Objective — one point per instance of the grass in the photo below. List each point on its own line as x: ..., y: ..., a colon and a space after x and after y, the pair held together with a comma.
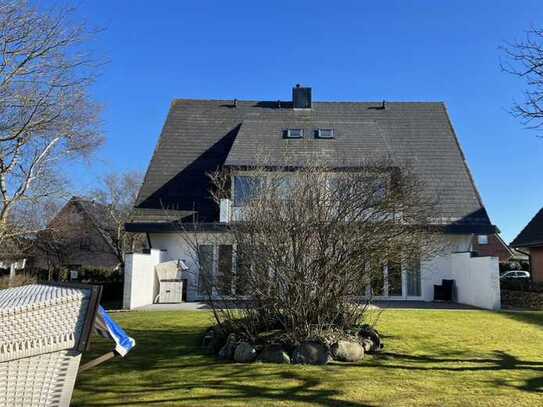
x: 432, y: 358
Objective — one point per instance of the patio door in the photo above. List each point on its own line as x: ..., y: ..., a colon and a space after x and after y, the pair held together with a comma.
x: 412, y: 277
x: 396, y: 280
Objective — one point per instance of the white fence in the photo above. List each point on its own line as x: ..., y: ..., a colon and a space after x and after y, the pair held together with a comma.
x: 140, y: 281
x: 477, y: 280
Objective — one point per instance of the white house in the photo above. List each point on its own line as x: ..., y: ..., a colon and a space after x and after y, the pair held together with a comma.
x: 200, y: 136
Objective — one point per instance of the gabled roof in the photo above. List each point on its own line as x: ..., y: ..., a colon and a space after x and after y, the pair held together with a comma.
x: 97, y: 214
x: 532, y: 234
x: 200, y: 136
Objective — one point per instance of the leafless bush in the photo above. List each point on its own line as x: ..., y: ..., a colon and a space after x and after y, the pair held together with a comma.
x: 524, y: 59
x: 308, y: 242
x: 17, y: 281
x: 47, y: 115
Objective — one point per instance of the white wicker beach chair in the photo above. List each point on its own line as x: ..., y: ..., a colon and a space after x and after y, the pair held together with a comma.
x: 43, y: 331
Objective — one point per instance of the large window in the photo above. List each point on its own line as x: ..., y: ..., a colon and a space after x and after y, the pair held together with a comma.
x: 377, y: 283
x: 246, y: 187
x: 394, y: 277
x: 205, y: 275
x: 224, y: 272
x: 217, y: 274
x: 242, y: 275
x: 413, y: 277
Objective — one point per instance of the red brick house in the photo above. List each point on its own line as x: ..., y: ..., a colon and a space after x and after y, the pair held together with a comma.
x: 493, y: 245
x: 530, y: 239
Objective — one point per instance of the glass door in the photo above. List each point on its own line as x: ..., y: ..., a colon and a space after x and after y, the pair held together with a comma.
x: 394, y: 279
x: 412, y: 276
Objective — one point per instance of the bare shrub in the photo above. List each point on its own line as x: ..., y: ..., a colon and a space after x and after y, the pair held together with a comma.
x: 17, y: 281
x: 309, y: 241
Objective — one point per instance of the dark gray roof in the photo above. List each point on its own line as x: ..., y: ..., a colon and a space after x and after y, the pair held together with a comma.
x: 201, y: 135
x: 532, y: 234
x: 158, y: 215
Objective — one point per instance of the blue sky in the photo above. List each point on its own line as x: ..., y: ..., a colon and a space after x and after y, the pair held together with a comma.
x: 359, y: 50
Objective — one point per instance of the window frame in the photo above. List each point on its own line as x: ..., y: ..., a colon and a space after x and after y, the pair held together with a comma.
x: 288, y: 135
x: 263, y: 183
x: 318, y: 133
x: 482, y: 240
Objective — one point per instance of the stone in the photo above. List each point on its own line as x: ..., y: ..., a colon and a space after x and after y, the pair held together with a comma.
x: 346, y: 351
x: 213, y: 340
x: 367, y: 344
x: 311, y: 353
x: 244, y: 353
x: 274, y: 354
x: 227, y: 351
x: 367, y: 332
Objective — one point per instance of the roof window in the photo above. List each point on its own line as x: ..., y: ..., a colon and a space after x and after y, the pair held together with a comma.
x: 325, y: 133
x: 293, y: 133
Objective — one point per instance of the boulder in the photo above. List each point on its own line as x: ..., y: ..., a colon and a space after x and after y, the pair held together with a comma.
x: 274, y: 354
x: 367, y: 344
x: 371, y: 334
x: 227, y: 351
x: 311, y: 353
x: 346, y: 351
x: 213, y: 340
x: 244, y: 353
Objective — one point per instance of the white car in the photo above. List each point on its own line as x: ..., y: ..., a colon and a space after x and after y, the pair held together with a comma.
x: 515, y: 274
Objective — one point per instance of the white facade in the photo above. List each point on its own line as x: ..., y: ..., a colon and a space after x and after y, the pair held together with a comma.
x: 476, y: 278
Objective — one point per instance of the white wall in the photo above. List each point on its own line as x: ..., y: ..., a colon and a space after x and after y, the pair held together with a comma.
x: 140, y: 282
x: 440, y: 267
x: 181, y: 246
x: 477, y: 280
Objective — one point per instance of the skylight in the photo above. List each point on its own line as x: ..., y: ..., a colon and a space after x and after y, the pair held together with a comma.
x: 293, y: 133
x: 325, y: 133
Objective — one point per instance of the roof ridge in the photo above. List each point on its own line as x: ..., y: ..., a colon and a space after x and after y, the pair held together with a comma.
x: 202, y: 100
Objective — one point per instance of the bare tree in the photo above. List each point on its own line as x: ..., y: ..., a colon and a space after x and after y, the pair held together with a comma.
x: 46, y: 114
x: 309, y: 242
x: 525, y: 60
x: 118, y: 193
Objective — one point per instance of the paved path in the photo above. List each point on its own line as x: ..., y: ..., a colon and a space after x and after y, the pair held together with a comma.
x: 202, y: 306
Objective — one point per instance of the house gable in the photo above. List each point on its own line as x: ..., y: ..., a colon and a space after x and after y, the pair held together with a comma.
x: 532, y: 234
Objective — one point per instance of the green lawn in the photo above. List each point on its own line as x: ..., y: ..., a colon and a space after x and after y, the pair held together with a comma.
x: 432, y: 358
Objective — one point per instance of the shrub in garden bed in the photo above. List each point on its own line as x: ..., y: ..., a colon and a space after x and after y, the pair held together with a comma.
x: 309, y: 243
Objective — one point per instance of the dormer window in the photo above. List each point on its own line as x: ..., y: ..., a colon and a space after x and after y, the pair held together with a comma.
x: 325, y: 133
x: 293, y: 133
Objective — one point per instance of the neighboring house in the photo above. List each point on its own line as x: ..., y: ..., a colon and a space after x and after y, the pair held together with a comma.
x: 530, y: 240
x: 78, y: 237
x: 493, y: 245
x: 200, y: 136
x: 14, y: 255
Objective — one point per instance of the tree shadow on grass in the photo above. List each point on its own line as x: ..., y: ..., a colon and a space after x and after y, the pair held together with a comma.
x: 167, y: 367
x: 501, y: 361
x: 530, y: 317
x: 161, y: 355
x: 237, y: 386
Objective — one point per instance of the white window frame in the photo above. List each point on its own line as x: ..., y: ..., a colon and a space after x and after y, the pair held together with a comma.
x: 286, y: 133
x: 318, y: 134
